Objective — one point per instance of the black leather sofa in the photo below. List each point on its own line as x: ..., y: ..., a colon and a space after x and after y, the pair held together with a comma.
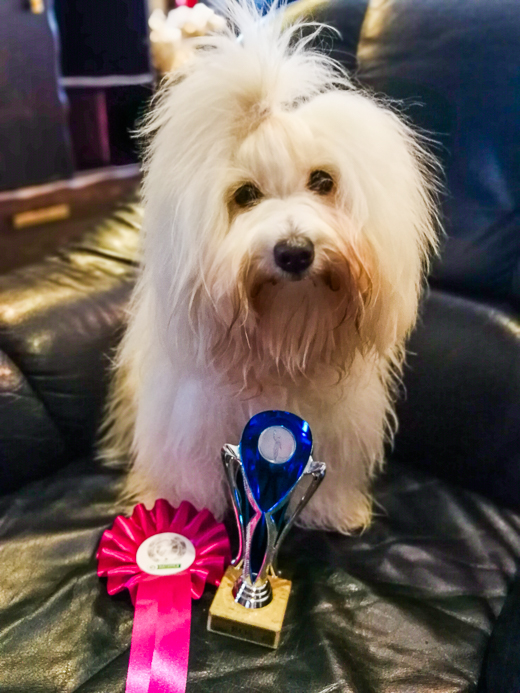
x: 408, y: 606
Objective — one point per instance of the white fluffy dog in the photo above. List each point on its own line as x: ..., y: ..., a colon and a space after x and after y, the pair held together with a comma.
x: 288, y: 223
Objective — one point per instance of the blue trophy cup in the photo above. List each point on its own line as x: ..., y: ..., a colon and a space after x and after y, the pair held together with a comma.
x: 272, y: 476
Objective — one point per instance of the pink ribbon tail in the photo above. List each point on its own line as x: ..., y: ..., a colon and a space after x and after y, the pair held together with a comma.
x: 161, y: 636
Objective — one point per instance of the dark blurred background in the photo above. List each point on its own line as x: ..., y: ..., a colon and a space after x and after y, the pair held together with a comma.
x: 75, y: 76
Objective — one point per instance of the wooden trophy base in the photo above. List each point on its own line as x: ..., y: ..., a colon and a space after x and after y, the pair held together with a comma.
x: 261, y: 626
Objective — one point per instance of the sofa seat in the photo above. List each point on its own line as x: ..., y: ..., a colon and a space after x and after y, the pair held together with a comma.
x: 409, y: 605
x: 406, y: 606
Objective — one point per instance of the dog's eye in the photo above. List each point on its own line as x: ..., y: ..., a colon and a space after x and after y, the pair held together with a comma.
x: 247, y: 195
x: 321, y: 182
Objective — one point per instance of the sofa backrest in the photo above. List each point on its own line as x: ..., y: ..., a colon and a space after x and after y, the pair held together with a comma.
x: 455, y: 68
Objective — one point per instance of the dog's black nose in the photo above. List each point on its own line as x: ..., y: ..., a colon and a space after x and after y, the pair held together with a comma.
x: 294, y: 255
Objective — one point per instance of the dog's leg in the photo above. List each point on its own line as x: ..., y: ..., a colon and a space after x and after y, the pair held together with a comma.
x: 180, y: 425
x: 349, y: 437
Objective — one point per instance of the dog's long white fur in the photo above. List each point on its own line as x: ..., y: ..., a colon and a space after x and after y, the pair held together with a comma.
x: 216, y: 331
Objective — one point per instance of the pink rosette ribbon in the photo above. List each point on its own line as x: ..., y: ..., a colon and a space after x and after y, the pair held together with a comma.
x: 161, y: 632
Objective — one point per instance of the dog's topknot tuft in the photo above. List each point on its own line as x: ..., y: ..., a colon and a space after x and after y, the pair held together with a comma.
x: 255, y: 67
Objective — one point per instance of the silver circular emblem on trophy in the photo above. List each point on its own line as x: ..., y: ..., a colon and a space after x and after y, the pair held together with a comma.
x: 276, y: 444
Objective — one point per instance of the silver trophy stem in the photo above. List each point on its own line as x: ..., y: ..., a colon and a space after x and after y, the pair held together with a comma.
x: 231, y: 462
x: 250, y: 530
x: 252, y: 596
x: 317, y: 471
x: 256, y: 593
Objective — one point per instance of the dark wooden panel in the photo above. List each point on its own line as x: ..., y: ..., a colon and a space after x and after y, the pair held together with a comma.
x: 103, y: 37
x: 84, y: 193
x: 34, y: 142
x: 103, y: 122
x: 91, y: 198
x: 126, y: 106
x: 88, y: 124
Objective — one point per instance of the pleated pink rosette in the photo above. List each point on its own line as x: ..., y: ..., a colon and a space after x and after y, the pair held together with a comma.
x: 161, y: 632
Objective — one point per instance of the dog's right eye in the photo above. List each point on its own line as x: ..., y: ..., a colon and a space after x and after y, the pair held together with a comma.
x: 321, y: 182
x: 247, y: 195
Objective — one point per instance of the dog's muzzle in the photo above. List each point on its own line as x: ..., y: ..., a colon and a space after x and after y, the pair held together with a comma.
x: 294, y: 255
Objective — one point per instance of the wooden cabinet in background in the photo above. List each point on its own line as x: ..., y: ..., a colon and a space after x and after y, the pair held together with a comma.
x: 35, y: 142
x: 74, y: 78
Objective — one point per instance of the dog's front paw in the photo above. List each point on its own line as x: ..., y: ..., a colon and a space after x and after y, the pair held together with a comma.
x: 140, y: 489
x: 349, y: 514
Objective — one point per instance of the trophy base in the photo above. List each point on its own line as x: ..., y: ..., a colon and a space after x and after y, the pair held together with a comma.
x: 261, y: 626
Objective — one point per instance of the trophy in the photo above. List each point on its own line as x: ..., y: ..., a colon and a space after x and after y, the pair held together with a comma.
x: 272, y: 476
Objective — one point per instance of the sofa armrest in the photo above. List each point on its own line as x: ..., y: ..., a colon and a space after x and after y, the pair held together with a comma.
x: 459, y: 417
x: 59, y: 323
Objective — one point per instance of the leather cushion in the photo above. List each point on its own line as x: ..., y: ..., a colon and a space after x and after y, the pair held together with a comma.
x: 28, y: 436
x: 501, y: 669
x: 60, y: 321
x: 407, y: 606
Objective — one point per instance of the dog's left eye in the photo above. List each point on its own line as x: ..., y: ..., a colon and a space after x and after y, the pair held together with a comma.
x: 320, y: 182
x: 247, y: 195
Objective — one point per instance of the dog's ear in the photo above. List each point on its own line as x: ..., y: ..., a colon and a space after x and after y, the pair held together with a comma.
x: 388, y: 189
